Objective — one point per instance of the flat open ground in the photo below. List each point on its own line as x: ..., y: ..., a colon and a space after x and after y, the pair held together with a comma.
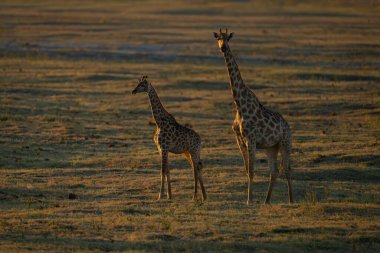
x: 69, y: 125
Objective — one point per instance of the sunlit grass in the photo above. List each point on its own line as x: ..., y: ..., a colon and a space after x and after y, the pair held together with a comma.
x: 80, y: 170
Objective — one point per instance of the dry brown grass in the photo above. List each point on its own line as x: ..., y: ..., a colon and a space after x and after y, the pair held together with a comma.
x: 68, y: 125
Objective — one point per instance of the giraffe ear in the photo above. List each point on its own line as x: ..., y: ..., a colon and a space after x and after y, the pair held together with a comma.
x: 216, y: 35
x: 230, y: 36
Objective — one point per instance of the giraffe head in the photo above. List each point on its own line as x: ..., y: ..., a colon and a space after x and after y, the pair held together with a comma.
x: 142, y: 86
x: 223, y: 39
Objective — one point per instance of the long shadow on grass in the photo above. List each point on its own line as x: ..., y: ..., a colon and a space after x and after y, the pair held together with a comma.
x: 197, y: 85
x: 172, y: 243
x: 224, y: 161
x: 370, y: 160
x: 346, y: 174
x: 334, y: 77
x: 205, y: 85
x: 50, y: 92
x: 178, y: 99
x: 221, y: 162
x: 330, y: 108
x: 85, y: 172
x: 366, y: 211
x: 33, y: 198
x: 55, y: 156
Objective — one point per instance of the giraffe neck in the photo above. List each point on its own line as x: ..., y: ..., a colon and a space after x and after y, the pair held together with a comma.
x: 240, y: 91
x: 159, y: 113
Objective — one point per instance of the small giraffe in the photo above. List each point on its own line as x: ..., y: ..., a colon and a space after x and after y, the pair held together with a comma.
x: 175, y: 138
x: 255, y: 126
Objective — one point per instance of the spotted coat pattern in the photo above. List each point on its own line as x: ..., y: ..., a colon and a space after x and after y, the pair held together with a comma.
x: 172, y: 137
x: 255, y: 126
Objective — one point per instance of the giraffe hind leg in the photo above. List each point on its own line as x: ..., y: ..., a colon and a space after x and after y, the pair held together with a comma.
x: 195, y: 165
x: 272, y: 160
x: 200, y: 169
x: 251, y: 148
x: 290, y: 192
x: 285, y: 166
x: 199, y: 173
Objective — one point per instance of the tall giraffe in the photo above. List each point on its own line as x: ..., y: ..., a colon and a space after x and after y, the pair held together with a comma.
x: 255, y: 126
x: 173, y: 137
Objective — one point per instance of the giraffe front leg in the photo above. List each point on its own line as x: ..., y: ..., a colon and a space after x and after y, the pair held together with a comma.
x: 164, y: 165
x: 243, y: 150
x: 241, y: 144
x: 169, y: 195
x: 251, y: 165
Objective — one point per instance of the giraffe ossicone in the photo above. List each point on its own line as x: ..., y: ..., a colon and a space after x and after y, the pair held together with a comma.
x: 174, y: 138
x: 255, y: 126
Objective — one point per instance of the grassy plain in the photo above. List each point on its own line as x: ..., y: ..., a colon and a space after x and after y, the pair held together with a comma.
x: 78, y: 167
